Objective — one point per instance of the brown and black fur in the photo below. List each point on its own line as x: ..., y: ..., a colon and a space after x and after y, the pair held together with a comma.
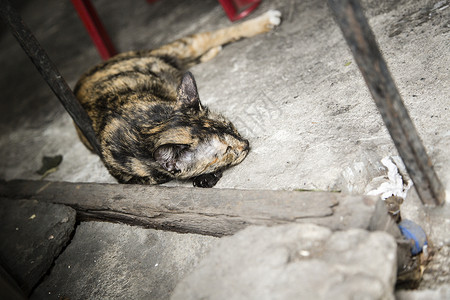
x: 147, y: 114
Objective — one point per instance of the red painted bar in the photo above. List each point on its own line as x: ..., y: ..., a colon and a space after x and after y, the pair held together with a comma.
x: 95, y: 28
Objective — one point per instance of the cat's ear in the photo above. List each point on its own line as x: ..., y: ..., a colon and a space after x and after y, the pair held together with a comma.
x: 168, y: 155
x: 187, y: 93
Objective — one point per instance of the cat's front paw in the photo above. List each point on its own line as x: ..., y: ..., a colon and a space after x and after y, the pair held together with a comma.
x: 274, y: 17
x: 207, y: 180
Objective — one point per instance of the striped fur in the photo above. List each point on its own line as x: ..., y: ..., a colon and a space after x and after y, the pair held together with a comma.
x: 147, y: 114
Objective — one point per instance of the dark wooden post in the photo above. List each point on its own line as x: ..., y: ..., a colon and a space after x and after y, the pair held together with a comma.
x: 361, y: 40
x: 48, y: 71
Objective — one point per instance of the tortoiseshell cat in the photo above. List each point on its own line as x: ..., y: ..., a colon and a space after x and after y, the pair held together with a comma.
x: 147, y: 115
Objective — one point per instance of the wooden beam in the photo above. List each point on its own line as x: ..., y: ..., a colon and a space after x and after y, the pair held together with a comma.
x: 350, y: 17
x: 214, y: 212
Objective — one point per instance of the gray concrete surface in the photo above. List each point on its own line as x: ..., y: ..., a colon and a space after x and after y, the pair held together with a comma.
x: 296, y: 261
x: 308, y: 115
x: 112, y: 261
x: 32, y: 235
x: 295, y: 93
x: 438, y: 294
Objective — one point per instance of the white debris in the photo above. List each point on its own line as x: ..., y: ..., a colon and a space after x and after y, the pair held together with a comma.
x: 305, y: 253
x: 397, y: 182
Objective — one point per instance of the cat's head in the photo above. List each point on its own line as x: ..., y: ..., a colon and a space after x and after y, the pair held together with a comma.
x: 197, y: 140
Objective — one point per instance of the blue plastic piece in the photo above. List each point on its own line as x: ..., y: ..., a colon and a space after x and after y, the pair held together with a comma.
x: 414, y: 232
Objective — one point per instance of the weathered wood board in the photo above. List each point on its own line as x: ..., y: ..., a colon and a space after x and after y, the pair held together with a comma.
x: 214, y: 212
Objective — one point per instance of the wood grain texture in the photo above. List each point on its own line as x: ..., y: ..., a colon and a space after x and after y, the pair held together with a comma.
x: 214, y: 212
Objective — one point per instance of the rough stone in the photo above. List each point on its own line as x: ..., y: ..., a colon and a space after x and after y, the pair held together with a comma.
x: 32, y: 235
x: 437, y: 272
x: 295, y: 262
x: 113, y: 261
x: 440, y: 293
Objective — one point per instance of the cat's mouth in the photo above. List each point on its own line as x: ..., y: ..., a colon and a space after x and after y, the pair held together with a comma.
x: 241, y: 153
x: 229, y: 160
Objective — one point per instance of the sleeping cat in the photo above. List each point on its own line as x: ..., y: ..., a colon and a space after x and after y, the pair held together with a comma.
x: 147, y: 115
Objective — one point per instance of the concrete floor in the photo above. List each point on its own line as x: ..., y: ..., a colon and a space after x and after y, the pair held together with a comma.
x: 295, y: 93
x: 309, y: 117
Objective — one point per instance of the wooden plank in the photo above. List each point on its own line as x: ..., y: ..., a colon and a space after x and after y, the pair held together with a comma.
x: 214, y: 212
x: 349, y: 16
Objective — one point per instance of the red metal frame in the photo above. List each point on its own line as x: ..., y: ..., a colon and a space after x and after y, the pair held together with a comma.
x: 238, y: 9
x: 235, y: 10
x: 95, y: 28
